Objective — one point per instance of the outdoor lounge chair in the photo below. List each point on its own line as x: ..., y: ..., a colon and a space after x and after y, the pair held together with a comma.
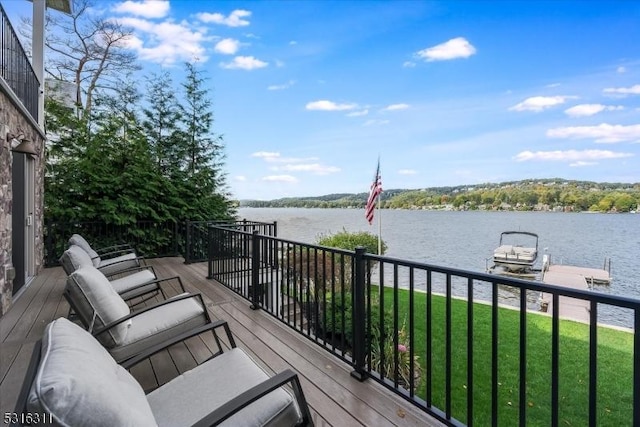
x: 130, y: 283
x: 124, y: 333
x: 73, y: 381
x: 111, y: 259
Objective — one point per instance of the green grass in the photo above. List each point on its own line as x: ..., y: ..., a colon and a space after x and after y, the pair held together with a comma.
x: 615, y: 364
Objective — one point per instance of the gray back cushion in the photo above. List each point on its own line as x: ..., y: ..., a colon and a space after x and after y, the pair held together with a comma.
x: 74, y: 258
x: 78, y: 240
x: 80, y: 384
x: 96, y: 301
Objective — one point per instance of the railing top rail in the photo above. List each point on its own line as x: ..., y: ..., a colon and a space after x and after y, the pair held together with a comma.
x: 291, y: 242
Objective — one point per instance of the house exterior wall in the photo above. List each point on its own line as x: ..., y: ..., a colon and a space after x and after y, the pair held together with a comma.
x: 13, y: 119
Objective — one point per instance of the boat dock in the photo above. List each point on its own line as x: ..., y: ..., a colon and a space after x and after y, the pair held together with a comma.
x: 572, y: 277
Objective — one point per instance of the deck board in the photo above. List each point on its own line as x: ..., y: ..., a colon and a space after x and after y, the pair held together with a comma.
x: 334, y: 397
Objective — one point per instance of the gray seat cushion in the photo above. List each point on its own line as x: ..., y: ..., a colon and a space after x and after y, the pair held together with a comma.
x: 192, y: 395
x: 98, y: 303
x: 133, y: 284
x: 78, y: 240
x: 107, y: 266
x: 159, y: 324
x: 119, y: 263
x: 74, y: 258
x: 80, y: 384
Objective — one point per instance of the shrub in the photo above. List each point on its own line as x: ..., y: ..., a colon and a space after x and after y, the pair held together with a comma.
x: 348, y: 240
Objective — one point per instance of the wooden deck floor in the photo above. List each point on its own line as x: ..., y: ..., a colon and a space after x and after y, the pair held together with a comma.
x: 334, y: 397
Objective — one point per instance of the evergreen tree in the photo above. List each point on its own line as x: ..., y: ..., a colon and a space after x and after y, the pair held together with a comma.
x: 161, y: 123
x: 204, y: 188
x: 121, y: 185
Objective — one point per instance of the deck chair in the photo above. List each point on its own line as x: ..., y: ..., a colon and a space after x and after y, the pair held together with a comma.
x: 110, y: 259
x: 124, y: 333
x: 129, y: 283
x: 73, y: 381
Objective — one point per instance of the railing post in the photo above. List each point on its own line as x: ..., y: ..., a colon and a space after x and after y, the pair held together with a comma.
x: 187, y: 249
x: 255, y: 270
x: 359, y: 317
x: 210, y: 233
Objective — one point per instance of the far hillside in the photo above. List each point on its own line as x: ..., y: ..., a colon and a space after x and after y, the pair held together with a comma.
x: 552, y: 194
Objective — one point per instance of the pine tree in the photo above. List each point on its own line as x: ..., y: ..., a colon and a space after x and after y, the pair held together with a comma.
x: 204, y: 187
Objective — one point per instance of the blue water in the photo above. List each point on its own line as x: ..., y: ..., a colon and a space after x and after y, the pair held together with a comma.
x: 467, y: 239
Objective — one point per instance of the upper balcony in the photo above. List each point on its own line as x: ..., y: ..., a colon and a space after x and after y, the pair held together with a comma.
x: 18, y: 75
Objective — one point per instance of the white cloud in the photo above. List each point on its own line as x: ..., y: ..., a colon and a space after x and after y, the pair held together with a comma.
x: 622, y: 91
x: 373, y: 122
x: 452, y: 49
x: 569, y: 155
x: 165, y: 42
x: 145, y: 8
x: 310, y: 167
x: 280, y: 178
x: 604, y: 132
x: 244, y: 63
x: 358, y: 113
x: 396, y: 107
x: 275, y: 157
x: 582, y: 163
x: 324, y: 105
x: 407, y: 172
x: 408, y: 64
x: 590, y: 109
x: 267, y: 155
x: 539, y: 103
x: 282, y: 86
x: 233, y: 20
x: 227, y: 46
x: 240, y: 178
x: 621, y: 70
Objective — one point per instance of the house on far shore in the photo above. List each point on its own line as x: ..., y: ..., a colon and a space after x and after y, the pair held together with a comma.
x: 22, y: 160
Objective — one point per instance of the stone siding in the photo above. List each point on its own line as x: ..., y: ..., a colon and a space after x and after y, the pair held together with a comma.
x: 11, y: 118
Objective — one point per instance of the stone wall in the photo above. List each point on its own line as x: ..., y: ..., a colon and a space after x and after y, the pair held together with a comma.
x: 11, y: 118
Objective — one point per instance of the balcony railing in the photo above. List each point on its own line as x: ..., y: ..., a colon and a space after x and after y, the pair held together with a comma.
x: 151, y: 239
x: 466, y: 360
x: 16, y: 69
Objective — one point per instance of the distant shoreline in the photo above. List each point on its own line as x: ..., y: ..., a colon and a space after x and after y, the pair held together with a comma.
x: 542, y: 195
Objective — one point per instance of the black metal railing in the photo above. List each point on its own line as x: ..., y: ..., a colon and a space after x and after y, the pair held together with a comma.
x: 441, y: 337
x: 16, y: 69
x: 197, y: 241
x: 151, y: 239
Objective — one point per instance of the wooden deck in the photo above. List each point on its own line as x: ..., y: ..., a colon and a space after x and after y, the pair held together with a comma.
x: 334, y: 396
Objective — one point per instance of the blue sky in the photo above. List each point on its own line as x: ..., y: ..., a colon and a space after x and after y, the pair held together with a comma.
x: 309, y: 94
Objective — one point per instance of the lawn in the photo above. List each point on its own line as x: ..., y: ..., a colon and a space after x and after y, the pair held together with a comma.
x: 614, y: 369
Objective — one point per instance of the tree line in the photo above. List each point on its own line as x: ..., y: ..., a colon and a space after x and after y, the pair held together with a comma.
x: 542, y: 194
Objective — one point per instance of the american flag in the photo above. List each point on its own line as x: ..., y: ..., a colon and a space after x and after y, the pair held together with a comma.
x: 376, y: 189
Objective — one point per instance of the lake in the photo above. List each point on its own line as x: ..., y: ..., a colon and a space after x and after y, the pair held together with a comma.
x: 466, y: 239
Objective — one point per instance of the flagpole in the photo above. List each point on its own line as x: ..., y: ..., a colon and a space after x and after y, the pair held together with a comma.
x: 379, y: 228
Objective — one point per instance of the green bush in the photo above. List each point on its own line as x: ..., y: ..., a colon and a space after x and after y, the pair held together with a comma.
x: 351, y: 240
